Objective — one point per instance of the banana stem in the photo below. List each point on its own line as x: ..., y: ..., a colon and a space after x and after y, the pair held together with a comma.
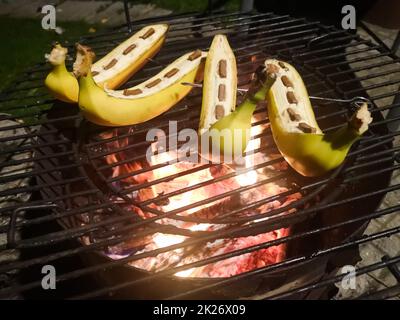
x: 357, y: 125
x: 246, y: 108
x: 84, y: 60
x: 342, y: 138
x: 250, y: 104
x: 57, y: 55
x: 60, y: 68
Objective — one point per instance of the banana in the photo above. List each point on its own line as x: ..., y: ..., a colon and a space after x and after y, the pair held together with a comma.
x: 220, y: 82
x: 140, y: 103
x: 61, y: 83
x: 229, y: 136
x: 295, y: 129
x: 113, y: 69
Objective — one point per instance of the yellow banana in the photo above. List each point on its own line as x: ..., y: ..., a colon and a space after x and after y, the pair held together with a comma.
x: 295, y: 129
x: 230, y: 135
x: 140, y: 103
x: 61, y: 83
x: 113, y: 69
x: 220, y: 82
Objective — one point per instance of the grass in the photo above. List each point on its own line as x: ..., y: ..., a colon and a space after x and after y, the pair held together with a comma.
x: 25, y: 43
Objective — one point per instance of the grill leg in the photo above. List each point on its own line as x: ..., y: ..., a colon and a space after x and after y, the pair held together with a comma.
x: 127, y: 16
x: 396, y: 43
x: 393, y: 113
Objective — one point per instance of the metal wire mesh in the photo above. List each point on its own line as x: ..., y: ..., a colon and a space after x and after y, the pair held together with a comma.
x: 51, y: 151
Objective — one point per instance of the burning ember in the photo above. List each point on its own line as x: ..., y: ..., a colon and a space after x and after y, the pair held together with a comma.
x: 180, y: 194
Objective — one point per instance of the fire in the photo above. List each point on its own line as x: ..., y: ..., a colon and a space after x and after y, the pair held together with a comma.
x: 188, y: 201
x: 185, y: 273
x: 164, y: 240
x: 250, y: 177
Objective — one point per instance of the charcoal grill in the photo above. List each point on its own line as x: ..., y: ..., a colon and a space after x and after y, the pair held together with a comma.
x: 56, y: 158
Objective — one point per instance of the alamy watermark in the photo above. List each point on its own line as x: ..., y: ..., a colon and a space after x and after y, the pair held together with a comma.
x: 349, y: 18
x: 49, y: 18
x: 225, y: 145
x: 49, y: 278
x: 349, y: 280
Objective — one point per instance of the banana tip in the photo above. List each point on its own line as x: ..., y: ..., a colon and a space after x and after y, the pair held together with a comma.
x: 57, y: 55
x: 361, y: 119
x: 84, y: 60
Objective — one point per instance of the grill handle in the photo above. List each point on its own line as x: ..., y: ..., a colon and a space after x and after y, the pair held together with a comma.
x: 11, y: 243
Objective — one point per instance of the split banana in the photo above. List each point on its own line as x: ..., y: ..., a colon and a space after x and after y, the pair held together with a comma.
x: 230, y: 135
x: 220, y: 82
x: 140, y: 103
x: 295, y: 129
x: 113, y: 69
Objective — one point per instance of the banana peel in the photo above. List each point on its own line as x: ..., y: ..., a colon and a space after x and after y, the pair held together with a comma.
x: 140, y: 103
x: 295, y: 129
x: 112, y: 70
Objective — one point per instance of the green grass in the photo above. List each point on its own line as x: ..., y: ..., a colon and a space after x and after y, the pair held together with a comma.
x: 25, y: 43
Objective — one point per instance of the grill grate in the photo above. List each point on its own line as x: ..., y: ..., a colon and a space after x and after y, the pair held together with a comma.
x: 55, y: 147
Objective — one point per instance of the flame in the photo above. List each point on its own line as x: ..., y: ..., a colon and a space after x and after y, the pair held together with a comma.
x: 200, y: 227
x: 247, y: 178
x: 164, y: 240
x: 177, y: 257
x: 180, y: 182
x: 185, y: 273
x: 250, y: 177
x: 195, y: 227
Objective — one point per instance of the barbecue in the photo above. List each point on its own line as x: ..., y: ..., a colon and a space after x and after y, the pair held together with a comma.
x: 84, y: 197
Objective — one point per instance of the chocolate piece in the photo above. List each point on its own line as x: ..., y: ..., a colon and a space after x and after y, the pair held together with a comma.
x: 219, y: 111
x: 286, y: 82
x: 291, y: 97
x: 94, y: 73
x: 306, y: 128
x: 293, y: 115
x: 282, y: 65
x: 132, y: 92
x: 129, y: 49
x: 153, y: 83
x: 221, y: 92
x: 194, y: 55
x: 148, y: 33
x: 111, y: 64
x: 222, y: 68
x: 171, y: 72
